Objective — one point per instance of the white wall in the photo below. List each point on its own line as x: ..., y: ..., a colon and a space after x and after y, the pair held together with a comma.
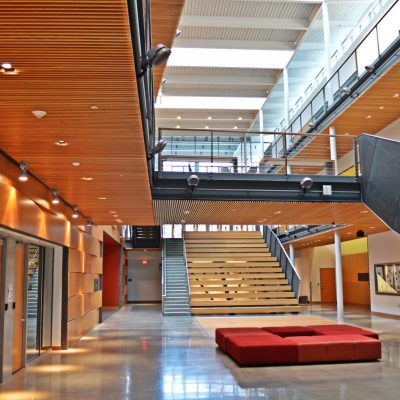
x: 383, y: 247
x: 308, y: 264
x: 146, y: 279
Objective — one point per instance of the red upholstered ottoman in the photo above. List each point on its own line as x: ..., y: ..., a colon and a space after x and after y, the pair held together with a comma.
x: 341, y: 329
x: 328, y: 348
x: 287, y: 331
x: 221, y: 334
x: 261, y: 350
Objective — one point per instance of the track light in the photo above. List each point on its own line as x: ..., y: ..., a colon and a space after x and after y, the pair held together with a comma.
x: 56, y: 196
x: 75, y: 214
x: 306, y: 183
x: 158, y: 148
x: 178, y: 33
x: 7, y: 67
x: 155, y: 56
x: 89, y: 221
x: 24, y: 171
x: 370, y: 69
x: 345, y: 91
x: 193, y: 181
x: 312, y: 125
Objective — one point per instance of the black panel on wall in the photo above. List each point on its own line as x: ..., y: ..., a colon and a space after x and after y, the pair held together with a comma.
x: 380, y: 185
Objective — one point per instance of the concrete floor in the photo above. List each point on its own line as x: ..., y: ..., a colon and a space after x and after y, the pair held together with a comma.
x: 138, y: 354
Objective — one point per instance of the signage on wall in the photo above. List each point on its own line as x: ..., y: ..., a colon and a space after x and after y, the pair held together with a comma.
x: 10, y: 295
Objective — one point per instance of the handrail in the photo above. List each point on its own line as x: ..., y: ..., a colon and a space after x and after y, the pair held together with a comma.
x: 163, y: 270
x: 277, y: 250
x: 186, y: 267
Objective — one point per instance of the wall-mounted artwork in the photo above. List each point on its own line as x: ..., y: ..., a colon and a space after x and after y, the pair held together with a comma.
x: 387, y: 279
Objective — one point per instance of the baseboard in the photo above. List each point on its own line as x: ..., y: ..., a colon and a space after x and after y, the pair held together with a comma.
x: 385, y: 315
x: 110, y: 308
x: 56, y: 348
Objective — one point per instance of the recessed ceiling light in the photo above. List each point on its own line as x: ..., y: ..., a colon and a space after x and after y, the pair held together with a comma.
x: 206, y: 127
x: 113, y: 212
x: 368, y: 116
x: 7, y: 68
x: 235, y: 127
x: 240, y: 118
x: 371, y: 227
x: 209, y: 117
x: 364, y: 212
x: 61, y: 143
x: 183, y: 221
x: 87, y: 178
x: 381, y: 107
x: 396, y: 95
x: 94, y: 107
x: 346, y: 133
x: 102, y: 198
x: 348, y: 233
x: 6, y: 65
x: 178, y: 127
x: 277, y: 212
x: 76, y: 163
x: 187, y: 212
x: 178, y: 117
x: 39, y: 113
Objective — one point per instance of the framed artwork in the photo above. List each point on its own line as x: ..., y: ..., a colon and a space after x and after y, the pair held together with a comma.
x: 387, y: 279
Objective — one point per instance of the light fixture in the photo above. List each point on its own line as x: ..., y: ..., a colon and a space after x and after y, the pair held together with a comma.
x: 193, y: 181
x: 187, y: 212
x: 345, y: 91
x: 178, y: 127
x: 113, y: 212
x: 206, y: 127
x: 178, y: 117
x: 76, y: 163
x: 306, y: 183
x: 381, y: 107
x: 102, y: 198
x: 158, y: 148
x: 39, y: 113
x: 24, y: 171
x: 183, y: 221
x: 94, y: 107
x: 364, y: 212
x: 209, y: 117
x: 240, y: 118
x: 56, y: 196
x: 87, y: 178
x: 178, y: 33
x: 396, y: 95
x: 368, y: 116
x: 61, y: 143
x: 89, y: 221
x: 75, y: 213
x: 360, y: 234
x: 7, y: 67
x: 370, y: 69
x: 311, y: 125
x: 235, y: 127
x: 155, y: 56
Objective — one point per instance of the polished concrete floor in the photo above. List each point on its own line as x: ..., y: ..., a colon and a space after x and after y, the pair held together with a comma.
x: 138, y: 354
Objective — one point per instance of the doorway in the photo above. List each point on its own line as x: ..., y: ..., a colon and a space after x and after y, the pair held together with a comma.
x: 328, y: 285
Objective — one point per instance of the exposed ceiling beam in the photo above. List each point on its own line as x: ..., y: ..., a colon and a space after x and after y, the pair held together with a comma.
x: 215, y: 92
x: 235, y: 44
x: 241, y: 22
x: 222, y: 80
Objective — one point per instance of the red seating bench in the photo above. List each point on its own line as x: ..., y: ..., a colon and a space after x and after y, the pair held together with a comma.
x: 298, y: 344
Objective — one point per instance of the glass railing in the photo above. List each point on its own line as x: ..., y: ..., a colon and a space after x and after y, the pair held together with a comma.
x: 247, y: 152
x: 381, y: 41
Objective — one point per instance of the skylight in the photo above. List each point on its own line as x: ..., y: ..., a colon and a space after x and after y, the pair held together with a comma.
x: 232, y: 103
x: 232, y: 58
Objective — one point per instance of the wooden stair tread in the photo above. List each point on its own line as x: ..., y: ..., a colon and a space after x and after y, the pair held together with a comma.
x: 234, y: 270
x: 241, y: 276
x: 214, y: 281
x: 242, y: 295
x: 245, y: 310
x: 248, y: 289
x: 252, y: 302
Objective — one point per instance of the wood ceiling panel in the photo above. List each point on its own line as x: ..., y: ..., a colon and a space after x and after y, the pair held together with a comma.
x: 265, y: 213
x: 70, y: 56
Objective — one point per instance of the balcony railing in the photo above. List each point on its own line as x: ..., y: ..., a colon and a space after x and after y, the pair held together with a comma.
x: 253, y: 152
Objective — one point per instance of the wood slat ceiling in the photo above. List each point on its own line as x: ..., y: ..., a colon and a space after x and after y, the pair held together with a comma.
x: 70, y: 56
x: 266, y: 213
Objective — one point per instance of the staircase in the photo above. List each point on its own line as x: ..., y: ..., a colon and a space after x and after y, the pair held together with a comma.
x: 175, y: 286
x: 33, y: 282
x: 234, y: 273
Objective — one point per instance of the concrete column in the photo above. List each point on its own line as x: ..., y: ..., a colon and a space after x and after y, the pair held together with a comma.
x: 332, y: 142
x: 328, y: 52
x: 339, y: 277
x: 291, y: 252
x: 286, y: 95
x: 245, y: 152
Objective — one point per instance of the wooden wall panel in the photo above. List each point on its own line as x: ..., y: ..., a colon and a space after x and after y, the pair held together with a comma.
x: 355, y: 292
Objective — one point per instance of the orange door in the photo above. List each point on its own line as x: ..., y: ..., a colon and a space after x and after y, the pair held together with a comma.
x: 1, y: 261
x: 328, y: 285
x: 19, y: 306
